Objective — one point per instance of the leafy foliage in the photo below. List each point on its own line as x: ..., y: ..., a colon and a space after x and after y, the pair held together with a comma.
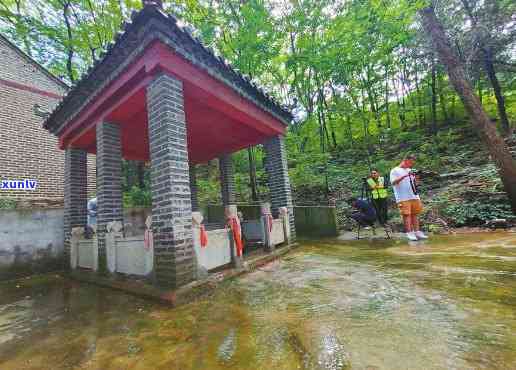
x: 137, y: 197
x: 7, y: 203
x: 476, y: 213
x: 361, y: 78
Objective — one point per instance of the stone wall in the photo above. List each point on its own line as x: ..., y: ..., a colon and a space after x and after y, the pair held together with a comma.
x: 313, y: 221
x: 215, y: 213
x: 28, y: 150
x: 310, y: 221
x: 30, y: 242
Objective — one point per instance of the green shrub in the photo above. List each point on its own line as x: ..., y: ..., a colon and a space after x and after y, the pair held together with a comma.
x: 476, y: 213
x: 137, y: 197
x: 7, y: 203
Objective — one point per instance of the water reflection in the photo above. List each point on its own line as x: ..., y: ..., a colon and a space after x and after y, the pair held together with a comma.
x: 447, y: 304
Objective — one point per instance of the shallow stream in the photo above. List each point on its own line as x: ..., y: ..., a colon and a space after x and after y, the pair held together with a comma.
x: 449, y: 303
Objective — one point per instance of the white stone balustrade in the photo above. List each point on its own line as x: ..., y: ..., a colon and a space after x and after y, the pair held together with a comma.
x: 83, y: 252
x: 128, y: 254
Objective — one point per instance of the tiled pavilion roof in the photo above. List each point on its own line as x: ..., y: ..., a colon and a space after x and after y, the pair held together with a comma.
x: 146, y: 26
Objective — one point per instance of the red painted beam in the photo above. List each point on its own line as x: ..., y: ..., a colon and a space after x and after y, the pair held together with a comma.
x: 217, y: 94
x: 125, y: 94
x: 103, y: 104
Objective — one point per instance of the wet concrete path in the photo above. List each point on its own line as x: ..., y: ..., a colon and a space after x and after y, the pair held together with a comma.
x: 446, y: 304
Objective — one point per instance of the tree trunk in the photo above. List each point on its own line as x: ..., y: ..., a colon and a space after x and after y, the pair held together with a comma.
x: 333, y: 135
x: 321, y: 132
x: 490, y: 71
x: 405, y: 92
x: 434, y: 97
x: 69, y: 43
x: 420, y: 110
x: 401, y: 108
x: 321, y: 117
x: 480, y: 120
x: 373, y: 102
x: 388, y: 114
x: 452, y: 114
x: 500, y: 101
x: 252, y: 175
x: 350, y: 130
x: 442, y: 99
x: 140, y: 174
x: 479, y: 91
x: 371, y: 96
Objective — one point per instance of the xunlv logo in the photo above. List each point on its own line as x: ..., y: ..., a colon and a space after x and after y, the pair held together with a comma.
x: 27, y: 184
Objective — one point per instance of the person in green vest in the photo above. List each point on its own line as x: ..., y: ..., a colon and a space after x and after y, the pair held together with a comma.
x: 379, y: 193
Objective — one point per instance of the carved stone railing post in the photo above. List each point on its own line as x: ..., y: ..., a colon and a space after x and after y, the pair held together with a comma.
x: 283, y: 213
x: 149, y: 247
x: 267, y: 222
x: 235, y: 235
x: 95, y: 250
x: 77, y: 235
x: 197, y: 219
x: 114, y: 230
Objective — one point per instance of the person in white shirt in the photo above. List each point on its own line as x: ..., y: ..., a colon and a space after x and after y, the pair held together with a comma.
x: 404, y: 185
x: 92, y: 212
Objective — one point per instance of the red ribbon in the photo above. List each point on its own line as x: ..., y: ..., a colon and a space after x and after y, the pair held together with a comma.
x: 204, y: 236
x: 234, y: 224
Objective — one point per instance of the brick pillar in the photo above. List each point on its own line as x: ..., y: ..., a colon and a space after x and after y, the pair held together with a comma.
x: 227, y: 180
x: 109, y: 183
x: 75, y: 195
x: 278, y: 181
x: 193, y: 188
x: 170, y: 183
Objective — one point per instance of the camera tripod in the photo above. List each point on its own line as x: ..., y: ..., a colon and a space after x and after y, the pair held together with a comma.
x: 366, y: 194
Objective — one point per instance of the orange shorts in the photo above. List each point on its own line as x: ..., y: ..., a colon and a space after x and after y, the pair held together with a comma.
x: 410, y: 207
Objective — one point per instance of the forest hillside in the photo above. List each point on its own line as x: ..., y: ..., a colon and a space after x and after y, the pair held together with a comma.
x: 365, y: 80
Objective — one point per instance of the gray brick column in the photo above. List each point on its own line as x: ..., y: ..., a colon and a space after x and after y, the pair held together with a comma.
x: 170, y: 183
x: 227, y: 180
x: 109, y: 183
x: 279, y: 183
x: 75, y: 195
x: 193, y: 188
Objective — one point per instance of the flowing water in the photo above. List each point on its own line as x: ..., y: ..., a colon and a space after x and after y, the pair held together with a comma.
x: 446, y: 304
